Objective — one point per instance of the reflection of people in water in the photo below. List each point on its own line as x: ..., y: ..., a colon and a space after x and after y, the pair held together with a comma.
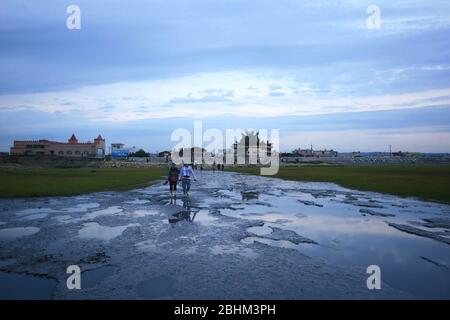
x: 185, y: 214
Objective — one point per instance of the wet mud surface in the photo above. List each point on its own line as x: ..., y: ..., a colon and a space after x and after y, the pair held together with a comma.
x: 235, y: 237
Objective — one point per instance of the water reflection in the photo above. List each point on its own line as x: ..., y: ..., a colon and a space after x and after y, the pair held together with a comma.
x: 91, y: 278
x: 21, y: 286
x: 346, y: 232
x: 185, y: 214
x: 249, y: 195
x: 157, y: 288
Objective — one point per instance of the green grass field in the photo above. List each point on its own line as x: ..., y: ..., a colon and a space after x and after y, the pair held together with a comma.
x: 431, y: 182
x: 422, y: 181
x: 62, y: 182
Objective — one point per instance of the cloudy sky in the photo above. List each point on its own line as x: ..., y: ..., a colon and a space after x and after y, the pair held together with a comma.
x: 137, y: 70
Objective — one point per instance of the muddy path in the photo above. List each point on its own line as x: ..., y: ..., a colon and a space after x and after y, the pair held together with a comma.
x: 236, y: 237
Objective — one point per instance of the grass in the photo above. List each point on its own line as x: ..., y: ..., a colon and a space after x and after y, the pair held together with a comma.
x: 430, y: 182
x: 63, y: 182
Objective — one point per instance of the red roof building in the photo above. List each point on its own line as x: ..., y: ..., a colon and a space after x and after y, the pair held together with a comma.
x: 71, y: 148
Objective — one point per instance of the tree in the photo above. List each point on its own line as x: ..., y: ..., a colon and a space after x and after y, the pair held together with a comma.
x: 139, y: 154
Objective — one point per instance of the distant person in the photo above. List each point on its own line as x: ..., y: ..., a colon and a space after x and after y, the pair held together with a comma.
x: 185, y: 175
x: 214, y: 166
x: 218, y: 167
x: 172, y: 178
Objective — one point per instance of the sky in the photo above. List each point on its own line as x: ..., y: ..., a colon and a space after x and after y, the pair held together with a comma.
x: 137, y: 70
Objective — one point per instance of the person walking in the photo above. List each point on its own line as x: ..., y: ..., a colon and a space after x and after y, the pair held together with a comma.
x: 185, y: 175
x: 172, y: 178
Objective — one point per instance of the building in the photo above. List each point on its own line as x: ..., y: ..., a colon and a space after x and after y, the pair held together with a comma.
x: 251, y: 146
x: 118, y: 150
x: 196, y: 154
x: 303, y: 152
x: 164, y: 154
x: 325, y: 153
x: 315, y: 153
x: 71, y: 149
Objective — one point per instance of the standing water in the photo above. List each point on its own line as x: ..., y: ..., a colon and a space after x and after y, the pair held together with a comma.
x: 236, y: 236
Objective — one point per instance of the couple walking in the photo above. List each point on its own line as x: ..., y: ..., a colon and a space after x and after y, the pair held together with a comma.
x: 185, y: 174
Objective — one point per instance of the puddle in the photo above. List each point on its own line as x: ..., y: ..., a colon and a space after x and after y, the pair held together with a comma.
x: 249, y: 195
x: 7, y: 262
x: 233, y: 249
x: 35, y: 216
x: 105, y: 212
x: 143, y: 213
x: 234, y: 195
x: 92, y: 230
x: 205, y: 218
x: 260, y: 231
x: 279, y: 234
x: 147, y: 245
x: 19, y: 286
x: 26, y: 212
x: 221, y: 249
x: 137, y: 201
x: 91, y: 278
x: 82, y: 207
x: 274, y: 243
x: 157, y: 288
x: 398, y: 255
x: 179, y: 214
x: 350, y: 229
x: 185, y: 215
x: 351, y: 241
x: 63, y: 218
x: 14, y: 233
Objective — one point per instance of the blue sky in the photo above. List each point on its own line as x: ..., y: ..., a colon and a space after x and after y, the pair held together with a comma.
x: 139, y: 69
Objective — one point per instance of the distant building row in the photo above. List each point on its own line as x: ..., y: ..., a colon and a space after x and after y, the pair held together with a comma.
x: 249, y: 145
x: 71, y: 148
x: 315, y: 153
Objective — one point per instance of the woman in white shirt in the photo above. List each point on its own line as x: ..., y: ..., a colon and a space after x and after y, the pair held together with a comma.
x: 186, y: 174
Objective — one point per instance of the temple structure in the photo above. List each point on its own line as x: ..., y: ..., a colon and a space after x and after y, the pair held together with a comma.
x: 250, y: 147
